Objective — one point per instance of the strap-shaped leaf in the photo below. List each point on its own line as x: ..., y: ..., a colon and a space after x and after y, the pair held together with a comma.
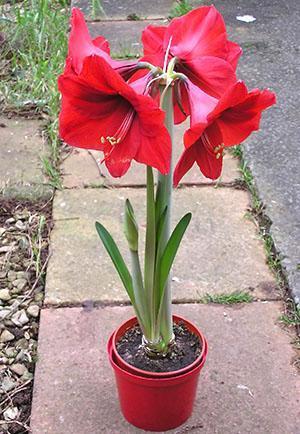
x: 170, y: 251
x: 160, y: 224
x: 117, y: 259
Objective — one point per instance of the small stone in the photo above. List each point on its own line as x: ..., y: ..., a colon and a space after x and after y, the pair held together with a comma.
x: 3, y: 360
x: 2, y: 230
x: 16, y: 291
x: 21, y: 357
x: 10, y: 220
x: 10, y: 352
x: 5, y: 249
x: 33, y: 311
x: 20, y: 283
x: 6, y: 336
x: 7, y: 384
x: 22, y: 275
x: 39, y: 296
x: 23, y: 243
x: 3, y: 274
x: 22, y: 344
x: 20, y: 225
x: 20, y: 318
x: 18, y: 369
x: 11, y: 413
x: 27, y: 376
x: 3, y: 314
x: 11, y: 275
x: 4, y: 294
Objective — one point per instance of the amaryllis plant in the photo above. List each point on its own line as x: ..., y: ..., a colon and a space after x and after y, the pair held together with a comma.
x: 127, y: 110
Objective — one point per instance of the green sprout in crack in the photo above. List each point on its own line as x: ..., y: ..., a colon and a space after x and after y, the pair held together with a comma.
x: 292, y: 317
x: 180, y: 7
x: 231, y: 298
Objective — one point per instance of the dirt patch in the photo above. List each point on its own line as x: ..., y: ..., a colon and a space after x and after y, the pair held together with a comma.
x: 186, y: 349
x: 24, y: 237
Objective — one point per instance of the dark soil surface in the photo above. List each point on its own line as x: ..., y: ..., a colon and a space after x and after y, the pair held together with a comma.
x: 186, y: 349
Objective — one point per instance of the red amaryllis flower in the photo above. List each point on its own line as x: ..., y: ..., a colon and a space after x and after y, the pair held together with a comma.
x: 82, y: 45
x: 203, y: 53
x: 101, y: 111
x: 235, y: 116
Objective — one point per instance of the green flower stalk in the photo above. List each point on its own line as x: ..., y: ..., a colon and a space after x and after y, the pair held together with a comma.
x: 150, y: 292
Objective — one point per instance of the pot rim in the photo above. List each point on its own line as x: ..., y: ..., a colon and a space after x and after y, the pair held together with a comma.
x: 122, y: 364
x: 152, y: 381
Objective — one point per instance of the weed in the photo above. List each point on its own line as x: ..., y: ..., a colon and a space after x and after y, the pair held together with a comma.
x: 37, y: 244
x: 97, y: 8
x: 52, y: 173
x: 124, y: 53
x: 133, y: 17
x: 292, y: 316
x: 236, y: 151
x: 233, y: 298
x: 34, y: 49
x: 180, y: 7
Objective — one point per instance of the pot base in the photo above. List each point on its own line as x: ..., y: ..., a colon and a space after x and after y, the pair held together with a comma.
x: 156, y: 403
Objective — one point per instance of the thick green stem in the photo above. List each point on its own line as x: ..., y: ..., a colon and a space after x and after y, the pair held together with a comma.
x: 165, y: 184
x: 150, y: 252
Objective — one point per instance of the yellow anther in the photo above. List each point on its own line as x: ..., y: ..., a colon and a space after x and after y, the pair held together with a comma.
x: 112, y: 140
x: 218, y: 155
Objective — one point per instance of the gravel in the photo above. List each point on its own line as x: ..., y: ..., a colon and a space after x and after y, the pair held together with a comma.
x: 23, y: 254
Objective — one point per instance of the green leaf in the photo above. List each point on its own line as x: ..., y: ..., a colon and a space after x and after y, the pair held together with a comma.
x: 161, y: 223
x: 117, y: 259
x: 170, y: 251
x: 130, y: 227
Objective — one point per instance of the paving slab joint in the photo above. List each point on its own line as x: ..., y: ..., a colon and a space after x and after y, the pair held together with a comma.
x: 94, y: 304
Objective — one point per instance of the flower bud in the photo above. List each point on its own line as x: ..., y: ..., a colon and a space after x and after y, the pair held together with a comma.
x: 131, y: 227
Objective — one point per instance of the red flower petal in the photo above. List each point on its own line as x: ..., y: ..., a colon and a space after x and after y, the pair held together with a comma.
x: 153, y: 40
x: 208, y: 160
x: 234, y: 53
x: 102, y: 43
x: 211, y: 74
x: 80, y: 42
x: 200, y: 103
x: 186, y: 161
x: 101, y: 111
x: 81, y: 46
x: 200, y: 32
x: 242, y: 116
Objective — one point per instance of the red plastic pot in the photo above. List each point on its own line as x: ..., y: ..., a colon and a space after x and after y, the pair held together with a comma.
x: 126, y: 366
x: 156, y: 404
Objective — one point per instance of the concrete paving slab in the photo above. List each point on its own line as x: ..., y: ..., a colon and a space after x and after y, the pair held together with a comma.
x: 122, y: 10
x: 248, y: 384
x: 21, y: 150
x: 221, y: 251
x: 81, y: 168
x: 124, y: 37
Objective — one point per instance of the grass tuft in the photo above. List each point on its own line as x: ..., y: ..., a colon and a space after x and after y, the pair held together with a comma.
x: 292, y: 316
x: 52, y: 173
x: 33, y: 53
x: 233, y: 298
x: 180, y: 7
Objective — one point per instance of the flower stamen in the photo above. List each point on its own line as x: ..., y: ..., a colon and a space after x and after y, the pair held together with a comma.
x: 121, y: 131
x: 167, y: 54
